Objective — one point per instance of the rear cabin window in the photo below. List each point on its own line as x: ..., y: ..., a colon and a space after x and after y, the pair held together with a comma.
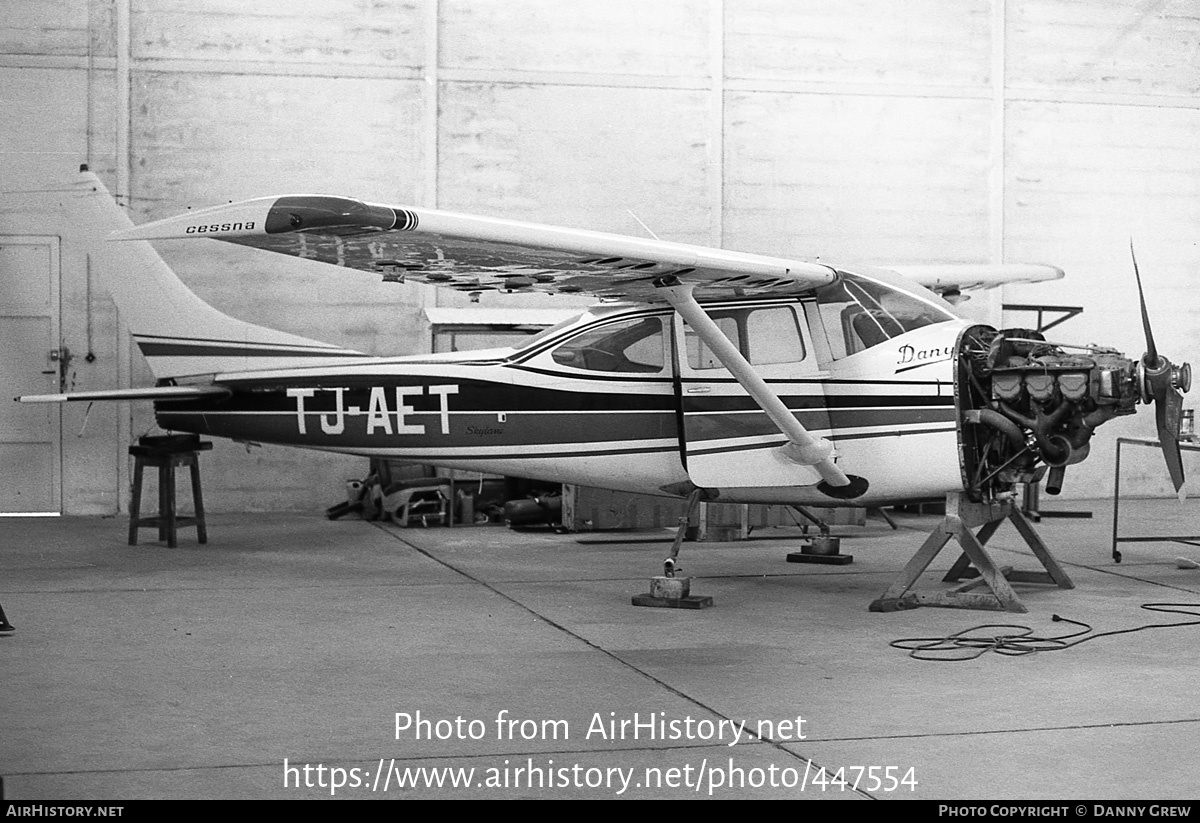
x: 764, y: 336
x: 629, y: 346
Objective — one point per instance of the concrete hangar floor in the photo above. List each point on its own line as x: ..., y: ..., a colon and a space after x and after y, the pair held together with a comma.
x: 295, y: 657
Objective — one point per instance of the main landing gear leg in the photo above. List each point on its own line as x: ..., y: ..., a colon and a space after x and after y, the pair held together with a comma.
x: 669, y: 591
x: 962, y: 515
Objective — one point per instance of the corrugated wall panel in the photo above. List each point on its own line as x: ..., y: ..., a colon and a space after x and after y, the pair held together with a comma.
x: 229, y: 136
x: 865, y: 178
x: 665, y: 37
x: 582, y: 157
x: 879, y: 42
x: 1117, y: 46
x: 44, y: 28
x: 43, y: 131
x: 298, y: 32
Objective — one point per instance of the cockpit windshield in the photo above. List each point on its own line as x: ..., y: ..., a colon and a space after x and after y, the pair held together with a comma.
x: 857, y: 313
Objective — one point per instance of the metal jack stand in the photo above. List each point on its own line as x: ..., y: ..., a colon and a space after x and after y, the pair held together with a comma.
x: 824, y: 549
x: 962, y: 515
x: 669, y: 591
x: 1031, y: 506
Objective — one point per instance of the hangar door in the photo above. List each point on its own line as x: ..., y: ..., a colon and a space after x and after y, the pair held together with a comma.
x: 30, y: 442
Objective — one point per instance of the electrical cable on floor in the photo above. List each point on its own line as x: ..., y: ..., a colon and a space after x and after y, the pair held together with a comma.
x: 972, y: 643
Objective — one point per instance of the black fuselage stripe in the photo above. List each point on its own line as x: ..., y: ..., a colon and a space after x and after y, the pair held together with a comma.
x: 527, y: 455
x: 180, y: 339
x: 484, y: 397
x: 632, y: 377
x: 837, y: 438
x: 443, y: 456
x: 234, y: 350
x: 837, y: 418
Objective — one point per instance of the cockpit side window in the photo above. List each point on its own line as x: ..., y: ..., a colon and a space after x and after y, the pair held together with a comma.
x: 765, y: 335
x: 700, y: 356
x: 630, y: 346
x: 774, y: 335
x: 857, y: 313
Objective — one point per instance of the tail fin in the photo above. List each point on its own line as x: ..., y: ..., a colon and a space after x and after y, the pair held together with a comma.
x: 178, y: 333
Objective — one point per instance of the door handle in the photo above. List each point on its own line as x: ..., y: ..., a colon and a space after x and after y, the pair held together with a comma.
x: 63, y: 357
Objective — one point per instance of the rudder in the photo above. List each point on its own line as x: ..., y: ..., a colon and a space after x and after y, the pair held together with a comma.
x: 178, y: 333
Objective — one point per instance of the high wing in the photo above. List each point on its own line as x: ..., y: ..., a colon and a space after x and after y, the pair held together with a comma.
x: 472, y: 253
x: 947, y: 277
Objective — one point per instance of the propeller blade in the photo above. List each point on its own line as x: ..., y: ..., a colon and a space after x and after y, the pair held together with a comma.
x: 1167, y: 412
x: 1151, y: 350
x: 1163, y: 384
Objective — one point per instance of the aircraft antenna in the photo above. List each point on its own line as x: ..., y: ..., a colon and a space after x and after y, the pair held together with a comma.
x: 643, y: 225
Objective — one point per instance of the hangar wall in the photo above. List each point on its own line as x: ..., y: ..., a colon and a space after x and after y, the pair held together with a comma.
x: 929, y: 131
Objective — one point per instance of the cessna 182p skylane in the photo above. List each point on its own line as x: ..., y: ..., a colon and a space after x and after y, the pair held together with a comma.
x: 751, y: 378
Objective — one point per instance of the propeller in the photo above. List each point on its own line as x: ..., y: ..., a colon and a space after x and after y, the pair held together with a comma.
x: 1163, y: 383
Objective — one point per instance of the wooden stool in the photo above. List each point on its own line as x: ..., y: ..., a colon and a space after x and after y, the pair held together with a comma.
x: 166, y: 452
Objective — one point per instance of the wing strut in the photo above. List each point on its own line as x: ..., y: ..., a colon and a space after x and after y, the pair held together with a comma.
x: 802, y: 447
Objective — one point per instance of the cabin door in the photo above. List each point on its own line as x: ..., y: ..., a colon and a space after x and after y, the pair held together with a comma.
x: 729, y: 442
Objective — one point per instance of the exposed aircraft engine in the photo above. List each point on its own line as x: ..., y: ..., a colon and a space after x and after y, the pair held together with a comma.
x: 1029, y: 405
x: 1025, y: 404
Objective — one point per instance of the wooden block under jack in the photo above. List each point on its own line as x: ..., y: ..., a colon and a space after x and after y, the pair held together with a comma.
x: 822, y: 549
x: 672, y: 593
x: 690, y: 602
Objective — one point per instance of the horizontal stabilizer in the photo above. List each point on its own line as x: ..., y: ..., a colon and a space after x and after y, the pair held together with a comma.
x: 155, y: 393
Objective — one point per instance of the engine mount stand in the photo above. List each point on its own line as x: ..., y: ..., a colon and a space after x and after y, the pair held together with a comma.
x: 963, y: 515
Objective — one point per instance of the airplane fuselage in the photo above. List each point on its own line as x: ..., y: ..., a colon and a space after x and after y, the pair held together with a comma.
x: 649, y: 416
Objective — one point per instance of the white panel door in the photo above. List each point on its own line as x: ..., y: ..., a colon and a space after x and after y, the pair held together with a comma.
x: 30, y: 435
